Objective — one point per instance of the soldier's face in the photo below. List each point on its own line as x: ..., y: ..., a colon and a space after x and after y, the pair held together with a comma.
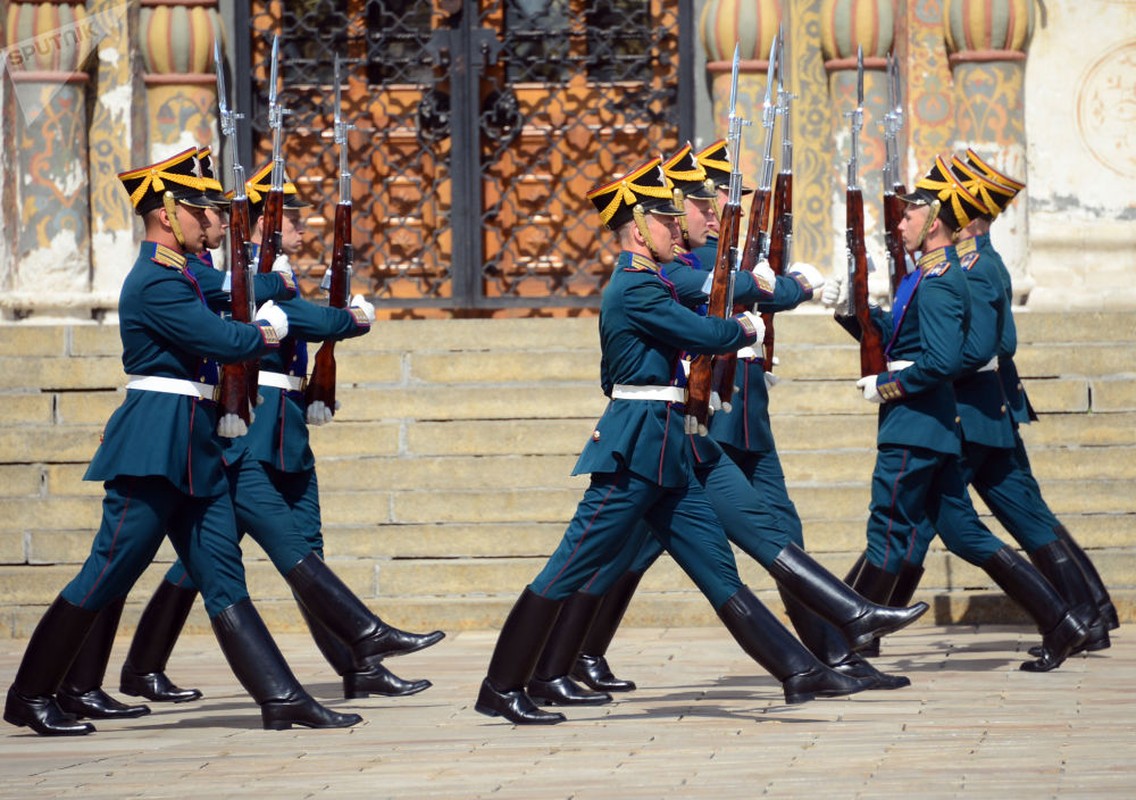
x: 216, y: 221
x: 911, y: 226
x: 701, y: 221
x: 292, y: 231
x: 193, y: 223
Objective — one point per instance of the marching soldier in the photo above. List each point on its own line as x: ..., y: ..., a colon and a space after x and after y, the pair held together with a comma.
x: 641, y: 469
x: 276, y: 497
x: 917, y: 475
x: 161, y: 465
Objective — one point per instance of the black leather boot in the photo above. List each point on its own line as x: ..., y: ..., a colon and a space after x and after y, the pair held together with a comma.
x: 854, y: 572
x: 906, y: 582
x: 1096, y: 585
x: 375, y: 679
x: 827, y: 643
x: 256, y: 661
x: 872, y: 583
x: 550, y: 684
x: 522, y: 639
x: 55, y: 642
x: 1061, y: 631
x: 770, y: 644
x: 591, y: 665
x: 1057, y: 564
x: 81, y: 691
x: 860, y: 620
x: 144, y: 671
x: 329, y: 600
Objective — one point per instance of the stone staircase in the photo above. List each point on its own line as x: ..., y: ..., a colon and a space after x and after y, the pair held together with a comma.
x: 445, y: 476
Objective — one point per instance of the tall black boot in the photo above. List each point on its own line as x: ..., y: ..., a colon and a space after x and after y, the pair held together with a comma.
x: 860, y: 620
x: 1061, y: 631
x: 329, y: 600
x: 81, y: 692
x: 375, y: 679
x: 829, y: 645
x: 550, y: 684
x: 906, y: 582
x: 854, y: 572
x: 519, y: 645
x: 1096, y: 585
x: 1057, y: 564
x: 770, y: 644
x: 872, y: 583
x: 591, y: 665
x: 55, y: 642
x: 259, y: 666
x: 144, y: 671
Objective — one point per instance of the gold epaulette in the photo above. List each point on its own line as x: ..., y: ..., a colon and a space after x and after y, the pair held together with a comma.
x: 641, y: 264
x: 935, y: 262
x: 165, y: 257
x: 967, y: 251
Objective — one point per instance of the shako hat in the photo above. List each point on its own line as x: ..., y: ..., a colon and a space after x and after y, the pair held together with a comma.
x: 176, y: 176
x: 688, y: 177
x: 993, y: 195
x: 956, y: 206
x: 259, y: 185
x: 715, y: 160
x: 644, y: 187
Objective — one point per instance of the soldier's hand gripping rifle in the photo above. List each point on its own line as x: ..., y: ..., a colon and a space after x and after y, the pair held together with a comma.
x: 238, y: 392
x: 872, y: 361
x: 725, y: 266
x: 273, y: 214
x: 893, y: 185
x: 781, y: 234
x: 756, y: 245
x: 321, y: 387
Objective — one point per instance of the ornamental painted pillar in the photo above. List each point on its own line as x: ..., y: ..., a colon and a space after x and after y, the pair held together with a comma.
x: 847, y: 25
x: 987, y: 43
x: 751, y: 24
x: 176, y: 39
x: 49, y: 254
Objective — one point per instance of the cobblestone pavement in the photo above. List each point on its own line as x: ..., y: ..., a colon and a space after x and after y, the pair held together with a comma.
x: 705, y: 723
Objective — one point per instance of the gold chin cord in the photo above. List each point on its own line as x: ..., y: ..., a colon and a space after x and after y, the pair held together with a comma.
x: 932, y: 215
x: 171, y: 212
x: 641, y: 223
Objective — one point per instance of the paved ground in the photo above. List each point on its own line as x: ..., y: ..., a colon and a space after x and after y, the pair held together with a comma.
x: 705, y: 724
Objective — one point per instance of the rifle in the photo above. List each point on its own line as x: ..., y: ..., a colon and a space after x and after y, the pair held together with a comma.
x: 781, y: 235
x: 893, y: 186
x: 757, y: 241
x: 725, y: 266
x: 321, y: 387
x: 238, y: 394
x: 872, y: 361
x: 274, y: 203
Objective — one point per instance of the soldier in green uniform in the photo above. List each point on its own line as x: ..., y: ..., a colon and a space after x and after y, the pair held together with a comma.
x: 276, y: 497
x: 640, y: 466
x: 917, y: 476
x: 160, y: 461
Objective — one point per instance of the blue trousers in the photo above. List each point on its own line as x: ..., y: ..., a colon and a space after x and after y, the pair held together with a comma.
x: 608, y: 517
x: 138, y: 512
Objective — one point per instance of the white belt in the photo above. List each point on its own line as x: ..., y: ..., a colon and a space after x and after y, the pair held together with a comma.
x: 278, y: 380
x: 155, y: 383
x: 748, y: 352
x: 671, y: 394
x: 897, y: 366
x: 989, y: 366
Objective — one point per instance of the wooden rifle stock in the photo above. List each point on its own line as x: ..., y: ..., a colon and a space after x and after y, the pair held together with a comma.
x: 273, y: 219
x: 238, y: 393
x: 702, y: 369
x: 893, y: 215
x: 321, y: 386
x: 872, y: 361
x: 782, y: 229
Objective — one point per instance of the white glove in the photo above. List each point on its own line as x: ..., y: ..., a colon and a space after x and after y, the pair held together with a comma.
x: 231, y: 426
x: 274, y: 315
x: 835, y: 293
x: 758, y: 323
x: 867, y: 384
x: 763, y: 274
x: 810, y: 274
x: 771, y: 380
x: 318, y: 413
x: 282, y: 264
x: 368, y: 308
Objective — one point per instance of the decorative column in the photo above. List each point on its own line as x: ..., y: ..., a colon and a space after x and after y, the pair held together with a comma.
x: 847, y: 25
x: 50, y: 253
x: 176, y: 39
x: 987, y: 43
x: 751, y: 24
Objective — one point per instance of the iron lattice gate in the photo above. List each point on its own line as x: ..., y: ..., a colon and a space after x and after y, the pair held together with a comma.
x: 480, y: 126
